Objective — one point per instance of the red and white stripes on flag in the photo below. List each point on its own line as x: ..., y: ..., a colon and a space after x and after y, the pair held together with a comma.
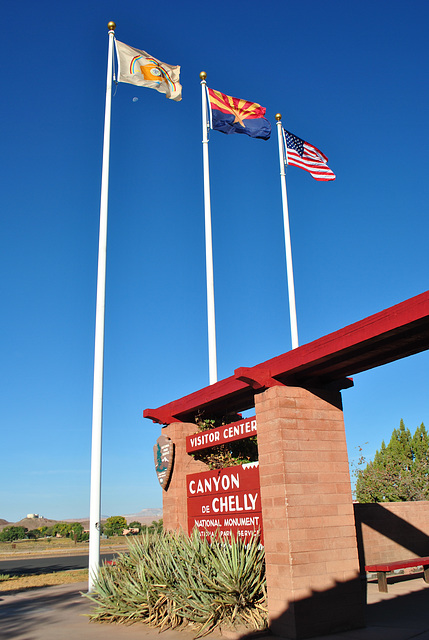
x: 306, y: 156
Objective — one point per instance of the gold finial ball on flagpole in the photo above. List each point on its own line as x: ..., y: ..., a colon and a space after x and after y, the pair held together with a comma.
x: 111, y: 25
x: 278, y: 117
x: 203, y: 75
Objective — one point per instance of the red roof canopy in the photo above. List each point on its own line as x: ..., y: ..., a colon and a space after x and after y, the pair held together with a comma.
x: 397, y: 332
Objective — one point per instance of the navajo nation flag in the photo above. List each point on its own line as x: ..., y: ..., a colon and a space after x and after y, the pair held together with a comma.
x: 138, y: 67
x: 304, y: 155
x: 233, y: 115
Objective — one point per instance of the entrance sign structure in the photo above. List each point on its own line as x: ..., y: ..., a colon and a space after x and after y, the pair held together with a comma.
x: 225, y: 502
x: 312, y: 566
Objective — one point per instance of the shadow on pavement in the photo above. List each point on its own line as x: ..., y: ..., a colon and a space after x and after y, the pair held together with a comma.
x: 25, y: 615
x: 57, y: 613
x: 410, y: 610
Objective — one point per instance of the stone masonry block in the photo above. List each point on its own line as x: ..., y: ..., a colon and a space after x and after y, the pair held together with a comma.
x: 310, y: 513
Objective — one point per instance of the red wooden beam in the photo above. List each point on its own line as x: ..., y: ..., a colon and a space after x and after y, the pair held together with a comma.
x: 396, y: 332
x: 217, y: 398
x: 389, y: 335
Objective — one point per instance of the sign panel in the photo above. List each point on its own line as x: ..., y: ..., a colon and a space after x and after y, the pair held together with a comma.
x: 220, y: 435
x: 163, y: 454
x: 225, y: 501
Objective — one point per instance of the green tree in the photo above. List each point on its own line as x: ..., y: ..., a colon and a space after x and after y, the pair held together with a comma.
x: 9, y: 534
x: 75, y: 529
x: 156, y: 526
x: 62, y: 529
x: 76, y: 532
x: 399, y: 471
x: 114, y: 526
x: 399, y: 448
x: 420, y: 444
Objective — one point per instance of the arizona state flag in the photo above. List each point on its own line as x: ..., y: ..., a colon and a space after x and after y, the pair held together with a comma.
x: 234, y: 115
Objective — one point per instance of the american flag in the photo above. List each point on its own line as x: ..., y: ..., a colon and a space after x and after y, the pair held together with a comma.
x: 304, y: 155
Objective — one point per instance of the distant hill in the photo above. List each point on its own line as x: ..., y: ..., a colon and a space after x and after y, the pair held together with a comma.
x: 29, y: 523
x: 35, y: 523
x: 145, y: 516
x: 147, y: 513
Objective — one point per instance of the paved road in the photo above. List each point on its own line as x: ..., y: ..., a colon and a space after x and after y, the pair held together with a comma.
x: 35, y: 566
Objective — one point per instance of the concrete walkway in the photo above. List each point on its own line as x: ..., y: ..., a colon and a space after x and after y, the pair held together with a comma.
x: 60, y: 613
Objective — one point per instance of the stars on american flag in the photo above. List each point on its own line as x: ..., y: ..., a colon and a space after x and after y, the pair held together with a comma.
x: 293, y: 142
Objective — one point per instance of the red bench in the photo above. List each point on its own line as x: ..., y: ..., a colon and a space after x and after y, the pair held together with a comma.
x: 382, y: 569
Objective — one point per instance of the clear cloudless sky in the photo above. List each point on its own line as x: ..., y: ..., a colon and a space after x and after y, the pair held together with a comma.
x: 349, y: 77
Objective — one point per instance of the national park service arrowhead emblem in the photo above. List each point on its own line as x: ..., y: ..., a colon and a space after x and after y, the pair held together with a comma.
x: 163, y: 454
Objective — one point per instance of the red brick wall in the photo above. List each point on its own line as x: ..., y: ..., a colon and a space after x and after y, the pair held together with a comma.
x: 310, y: 539
x: 389, y: 531
x: 174, y: 501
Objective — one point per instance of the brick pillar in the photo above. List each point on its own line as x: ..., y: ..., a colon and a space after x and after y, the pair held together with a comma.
x: 312, y: 563
x: 174, y: 512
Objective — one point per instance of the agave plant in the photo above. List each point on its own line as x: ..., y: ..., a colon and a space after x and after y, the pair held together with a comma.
x: 228, y: 588
x: 169, y: 579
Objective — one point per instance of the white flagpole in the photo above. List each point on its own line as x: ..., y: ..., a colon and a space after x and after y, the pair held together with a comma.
x: 208, y: 232
x: 291, y: 288
x: 97, y: 397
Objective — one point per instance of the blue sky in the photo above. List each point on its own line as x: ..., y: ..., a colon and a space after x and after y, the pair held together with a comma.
x: 351, y: 78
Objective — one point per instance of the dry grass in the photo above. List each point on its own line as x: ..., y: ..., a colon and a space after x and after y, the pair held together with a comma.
x: 54, y: 545
x: 22, y: 583
x: 43, y: 544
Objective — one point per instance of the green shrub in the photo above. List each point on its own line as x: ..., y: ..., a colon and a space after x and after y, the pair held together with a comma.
x: 168, y: 580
